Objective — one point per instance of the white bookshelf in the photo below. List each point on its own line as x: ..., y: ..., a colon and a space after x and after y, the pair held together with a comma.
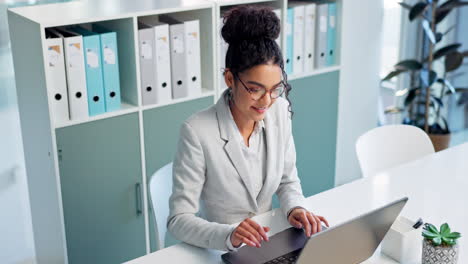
x: 42, y: 156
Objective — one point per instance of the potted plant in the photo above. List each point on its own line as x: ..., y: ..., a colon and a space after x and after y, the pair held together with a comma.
x: 425, y: 96
x: 439, y: 246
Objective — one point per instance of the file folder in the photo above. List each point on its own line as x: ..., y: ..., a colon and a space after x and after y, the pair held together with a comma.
x: 55, y: 76
x: 321, y: 41
x: 298, y: 39
x: 192, y: 51
x: 110, y: 67
x: 331, y: 34
x: 147, y: 64
x: 289, y: 41
x: 93, y: 69
x: 178, y: 57
x: 161, y: 59
x: 75, y: 73
x: 309, y: 37
x: 278, y: 14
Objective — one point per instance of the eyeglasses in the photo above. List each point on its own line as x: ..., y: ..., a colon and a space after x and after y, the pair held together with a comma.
x: 257, y: 93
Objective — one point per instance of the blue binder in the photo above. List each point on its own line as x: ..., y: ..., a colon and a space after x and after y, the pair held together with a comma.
x: 289, y: 40
x: 93, y: 69
x: 331, y: 35
x: 110, y: 67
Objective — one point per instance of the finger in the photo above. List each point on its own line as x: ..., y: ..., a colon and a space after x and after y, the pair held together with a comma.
x: 245, y: 240
x: 294, y: 222
x: 305, y: 223
x: 258, y: 228
x: 318, y: 224
x: 253, y: 230
x: 246, y: 233
x: 322, y: 219
x: 312, y: 222
x: 266, y: 229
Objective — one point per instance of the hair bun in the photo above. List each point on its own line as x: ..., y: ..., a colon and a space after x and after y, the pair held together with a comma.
x: 250, y: 23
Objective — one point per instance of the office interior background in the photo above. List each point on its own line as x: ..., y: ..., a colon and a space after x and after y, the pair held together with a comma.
x: 375, y: 35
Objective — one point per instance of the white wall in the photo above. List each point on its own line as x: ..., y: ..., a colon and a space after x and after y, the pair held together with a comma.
x: 359, y: 81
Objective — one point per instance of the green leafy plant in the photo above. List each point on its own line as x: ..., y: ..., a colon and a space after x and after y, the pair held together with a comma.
x: 442, y: 237
x: 424, y: 97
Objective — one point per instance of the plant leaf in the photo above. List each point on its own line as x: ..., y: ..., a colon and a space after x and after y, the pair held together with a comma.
x: 444, y: 229
x: 427, y: 29
x: 465, y: 53
x: 405, y: 5
x: 453, y: 235
x: 393, y: 110
x: 443, y: 10
x: 439, y: 37
x: 437, y: 100
x: 411, y: 95
x: 453, y: 61
x: 408, y: 65
x: 417, y: 10
x: 428, y: 78
x: 448, y: 241
x: 429, y: 234
x: 437, y: 241
x: 392, y: 74
x: 447, y: 84
x: 445, y: 50
x: 431, y: 228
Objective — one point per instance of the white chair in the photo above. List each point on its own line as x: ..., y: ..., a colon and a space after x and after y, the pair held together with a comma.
x: 387, y: 146
x: 160, y: 186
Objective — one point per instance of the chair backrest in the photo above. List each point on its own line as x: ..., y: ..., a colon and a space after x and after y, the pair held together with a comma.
x: 160, y: 186
x: 388, y: 146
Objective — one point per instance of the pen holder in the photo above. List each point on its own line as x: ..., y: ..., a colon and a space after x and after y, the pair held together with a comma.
x: 402, y: 242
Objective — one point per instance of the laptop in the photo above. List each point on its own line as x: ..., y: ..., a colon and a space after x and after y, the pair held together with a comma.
x: 351, y: 242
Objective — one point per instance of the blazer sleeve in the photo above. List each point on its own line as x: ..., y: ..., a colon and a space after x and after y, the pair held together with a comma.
x: 188, y: 180
x: 289, y: 191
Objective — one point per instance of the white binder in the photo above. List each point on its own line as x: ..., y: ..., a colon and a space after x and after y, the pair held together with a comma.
x: 321, y: 36
x: 75, y: 73
x: 147, y: 64
x: 278, y: 13
x: 298, y: 35
x: 162, y: 61
x: 309, y: 37
x: 56, y: 78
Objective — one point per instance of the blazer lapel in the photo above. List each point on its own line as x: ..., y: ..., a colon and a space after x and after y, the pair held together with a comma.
x: 232, y: 147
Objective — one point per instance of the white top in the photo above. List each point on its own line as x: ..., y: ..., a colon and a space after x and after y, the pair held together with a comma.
x: 436, y: 186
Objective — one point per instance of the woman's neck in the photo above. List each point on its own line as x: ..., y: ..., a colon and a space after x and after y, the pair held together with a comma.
x: 244, y: 125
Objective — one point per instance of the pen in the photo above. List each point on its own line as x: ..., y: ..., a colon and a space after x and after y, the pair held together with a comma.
x: 418, y: 223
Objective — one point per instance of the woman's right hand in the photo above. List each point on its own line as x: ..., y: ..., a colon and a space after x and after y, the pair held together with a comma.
x: 250, y: 233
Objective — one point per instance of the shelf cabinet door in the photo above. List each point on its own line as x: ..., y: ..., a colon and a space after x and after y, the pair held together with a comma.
x: 102, y: 192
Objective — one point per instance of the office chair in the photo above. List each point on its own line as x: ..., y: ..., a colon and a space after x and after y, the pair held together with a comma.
x: 388, y: 146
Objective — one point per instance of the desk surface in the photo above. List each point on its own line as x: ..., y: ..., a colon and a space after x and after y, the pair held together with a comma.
x: 436, y: 185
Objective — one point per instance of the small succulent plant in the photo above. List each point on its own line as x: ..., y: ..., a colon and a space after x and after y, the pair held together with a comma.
x: 442, y: 237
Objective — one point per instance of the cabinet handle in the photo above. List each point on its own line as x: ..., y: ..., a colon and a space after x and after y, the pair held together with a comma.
x: 139, y: 210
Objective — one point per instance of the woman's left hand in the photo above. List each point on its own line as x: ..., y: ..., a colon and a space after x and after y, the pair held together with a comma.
x: 302, y: 218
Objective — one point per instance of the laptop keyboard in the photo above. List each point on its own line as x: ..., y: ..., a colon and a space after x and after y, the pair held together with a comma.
x: 287, y: 258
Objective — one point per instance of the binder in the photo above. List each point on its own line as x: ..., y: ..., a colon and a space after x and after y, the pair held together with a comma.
x: 161, y: 59
x: 298, y: 39
x: 178, y: 57
x: 289, y: 41
x: 321, y: 40
x: 93, y: 70
x: 278, y: 14
x: 192, y: 50
x: 147, y: 64
x: 309, y: 36
x: 222, y: 47
x: 331, y: 34
x: 75, y: 73
x: 110, y: 67
x: 55, y: 76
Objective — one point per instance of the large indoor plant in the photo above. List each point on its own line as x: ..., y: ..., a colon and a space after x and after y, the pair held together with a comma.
x: 428, y: 87
x: 439, y: 246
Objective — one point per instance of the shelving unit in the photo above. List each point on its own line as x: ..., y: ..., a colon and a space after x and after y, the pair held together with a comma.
x: 83, y: 174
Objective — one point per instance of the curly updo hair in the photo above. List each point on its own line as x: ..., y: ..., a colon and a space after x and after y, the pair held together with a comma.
x: 251, y: 32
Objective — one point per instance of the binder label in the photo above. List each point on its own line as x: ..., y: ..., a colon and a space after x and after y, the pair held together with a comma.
x: 74, y: 57
x: 332, y: 21
x: 323, y: 24
x: 54, y: 53
x: 109, y: 55
x: 92, y: 58
x: 146, y: 51
x: 178, y: 44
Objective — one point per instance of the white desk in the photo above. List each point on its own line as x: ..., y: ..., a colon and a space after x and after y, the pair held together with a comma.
x: 437, y: 187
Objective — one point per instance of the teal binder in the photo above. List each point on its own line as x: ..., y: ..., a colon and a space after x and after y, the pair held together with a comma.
x: 289, y: 41
x: 110, y: 67
x: 93, y: 69
x: 331, y: 35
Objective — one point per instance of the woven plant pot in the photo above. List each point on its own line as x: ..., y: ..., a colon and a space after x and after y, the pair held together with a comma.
x: 439, y: 254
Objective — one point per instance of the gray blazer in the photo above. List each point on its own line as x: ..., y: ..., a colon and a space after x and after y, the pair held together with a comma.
x: 210, y: 176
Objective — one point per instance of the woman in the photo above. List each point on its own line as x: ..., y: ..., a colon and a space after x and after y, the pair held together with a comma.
x: 234, y: 156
